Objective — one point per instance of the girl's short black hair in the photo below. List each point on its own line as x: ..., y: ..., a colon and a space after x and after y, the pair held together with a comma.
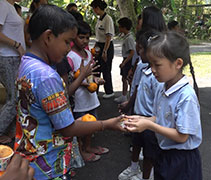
x: 153, y: 18
x: 99, y: 3
x: 70, y: 5
x: 50, y: 17
x: 126, y: 23
x: 84, y: 28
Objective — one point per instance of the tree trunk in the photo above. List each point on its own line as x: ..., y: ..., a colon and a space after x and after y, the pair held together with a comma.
x: 127, y: 10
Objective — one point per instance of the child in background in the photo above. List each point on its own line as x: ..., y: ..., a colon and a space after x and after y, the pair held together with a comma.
x: 174, y: 26
x: 44, y: 115
x: 176, y: 119
x: 143, y: 106
x: 128, y: 49
x: 85, y: 101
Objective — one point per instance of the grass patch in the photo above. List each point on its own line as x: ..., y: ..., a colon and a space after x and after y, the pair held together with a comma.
x: 201, y: 63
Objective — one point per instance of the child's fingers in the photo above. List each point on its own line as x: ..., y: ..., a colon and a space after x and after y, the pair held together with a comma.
x: 94, y: 68
x: 82, y: 62
x: 95, y: 73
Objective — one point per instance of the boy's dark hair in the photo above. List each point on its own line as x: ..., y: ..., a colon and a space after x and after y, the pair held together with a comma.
x: 125, y: 23
x: 17, y: 6
x: 84, y: 28
x: 153, y: 18
x: 70, y: 5
x: 172, y: 45
x: 77, y: 15
x: 50, y: 17
x: 172, y: 24
x: 99, y: 3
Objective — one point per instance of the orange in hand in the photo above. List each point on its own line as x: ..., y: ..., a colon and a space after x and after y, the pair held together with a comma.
x: 93, y: 51
x: 77, y: 73
x: 92, y: 87
x: 88, y: 118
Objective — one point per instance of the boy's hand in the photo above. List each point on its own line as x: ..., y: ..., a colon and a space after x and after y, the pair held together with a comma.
x: 99, y: 81
x: 104, y: 56
x: 123, y: 107
x: 130, y: 76
x: 122, y: 65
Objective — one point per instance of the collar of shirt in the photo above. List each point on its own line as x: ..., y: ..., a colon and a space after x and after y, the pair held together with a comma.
x: 181, y: 83
x: 102, y: 16
x: 128, y: 34
x: 147, y: 71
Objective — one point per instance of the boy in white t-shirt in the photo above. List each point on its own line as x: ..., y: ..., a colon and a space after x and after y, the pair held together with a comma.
x: 85, y: 101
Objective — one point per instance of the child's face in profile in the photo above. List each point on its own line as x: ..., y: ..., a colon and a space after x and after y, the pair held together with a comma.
x: 163, y: 69
x: 82, y: 40
x: 142, y: 53
x: 59, y: 46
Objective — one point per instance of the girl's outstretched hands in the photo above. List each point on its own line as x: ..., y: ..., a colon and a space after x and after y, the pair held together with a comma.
x: 137, y: 123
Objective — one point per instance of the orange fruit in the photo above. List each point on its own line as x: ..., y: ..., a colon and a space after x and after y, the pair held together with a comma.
x: 1, y: 173
x: 93, y: 51
x: 77, y: 73
x: 88, y: 118
x: 92, y: 87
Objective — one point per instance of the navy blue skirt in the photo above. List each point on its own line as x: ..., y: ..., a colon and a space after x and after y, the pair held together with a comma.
x: 178, y: 165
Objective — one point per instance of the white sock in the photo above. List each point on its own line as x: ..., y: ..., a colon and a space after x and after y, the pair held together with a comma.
x: 134, y: 165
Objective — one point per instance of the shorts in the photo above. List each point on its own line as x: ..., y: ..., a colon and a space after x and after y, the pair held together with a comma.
x: 124, y: 71
x: 148, y: 141
x: 80, y: 114
x: 178, y: 165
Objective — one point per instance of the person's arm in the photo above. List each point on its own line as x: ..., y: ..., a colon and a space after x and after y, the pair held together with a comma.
x: 129, y: 58
x: 16, y: 45
x: 130, y: 103
x: 18, y: 169
x: 141, y: 123
x: 105, y: 49
x: 80, y: 128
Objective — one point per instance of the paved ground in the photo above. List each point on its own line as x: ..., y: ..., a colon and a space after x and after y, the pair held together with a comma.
x: 111, y: 164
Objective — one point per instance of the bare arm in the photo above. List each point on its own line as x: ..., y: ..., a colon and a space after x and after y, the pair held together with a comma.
x: 80, y: 128
x: 129, y: 58
x: 107, y: 44
x: 6, y: 40
x: 141, y: 123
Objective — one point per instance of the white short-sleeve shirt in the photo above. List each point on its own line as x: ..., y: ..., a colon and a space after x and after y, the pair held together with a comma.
x: 12, y: 27
x: 104, y: 26
x: 84, y: 100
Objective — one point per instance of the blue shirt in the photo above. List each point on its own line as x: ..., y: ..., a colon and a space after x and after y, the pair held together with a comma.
x: 137, y: 75
x: 146, y: 93
x: 178, y: 108
x: 42, y: 110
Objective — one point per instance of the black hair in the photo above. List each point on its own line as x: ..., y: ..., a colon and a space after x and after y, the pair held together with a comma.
x: 139, y: 17
x: 77, y: 15
x: 32, y: 7
x: 144, y: 37
x: 17, y: 6
x: 153, y: 18
x: 125, y: 23
x: 84, y: 28
x: 172, y: 45
x: 172, y: 24
x: 50, y: 17
x: 99, y: 3
x: 70, y: 5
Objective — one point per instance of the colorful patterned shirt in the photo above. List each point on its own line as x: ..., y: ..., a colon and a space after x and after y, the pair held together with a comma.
x: 42, y: 110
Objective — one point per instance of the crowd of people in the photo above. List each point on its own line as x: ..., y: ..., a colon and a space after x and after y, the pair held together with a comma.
x: 46, y: 101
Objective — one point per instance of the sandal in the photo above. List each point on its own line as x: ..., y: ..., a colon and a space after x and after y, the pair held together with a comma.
x: 102, y: 150
x: 93, y: 157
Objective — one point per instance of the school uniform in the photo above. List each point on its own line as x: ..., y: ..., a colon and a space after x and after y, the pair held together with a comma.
x: 144, y: 107
x: 178, y: 108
